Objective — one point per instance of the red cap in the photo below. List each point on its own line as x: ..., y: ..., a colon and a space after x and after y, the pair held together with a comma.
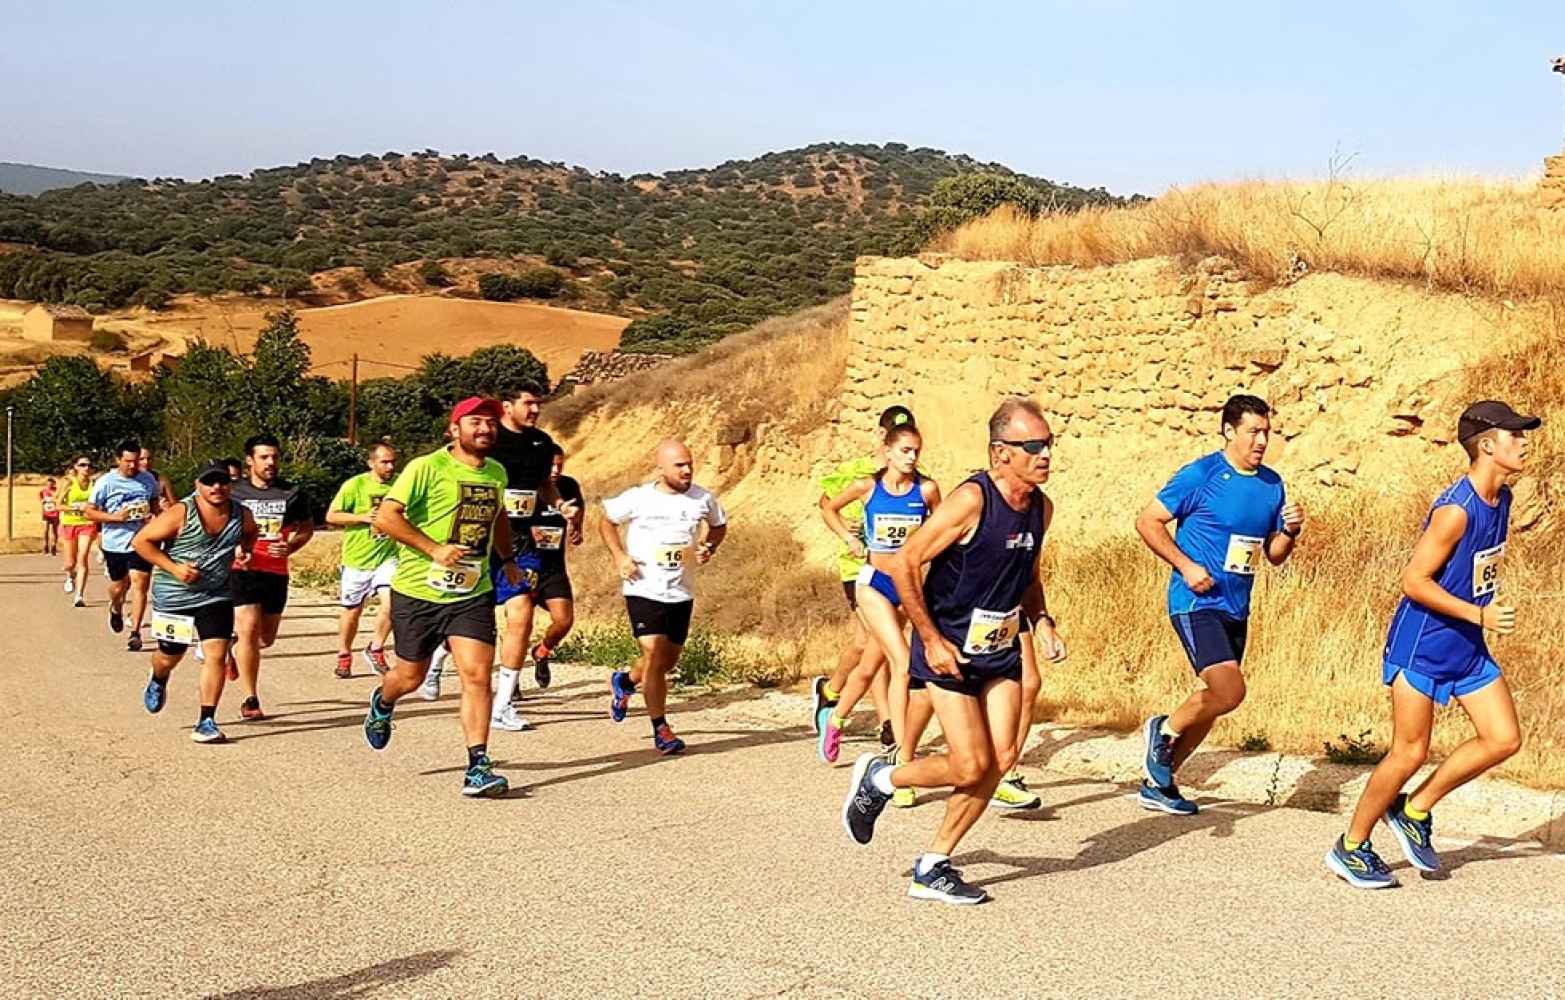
x: 476, y: 404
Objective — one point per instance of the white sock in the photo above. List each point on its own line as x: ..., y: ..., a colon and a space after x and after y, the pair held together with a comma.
x: 881, y: 779
x: 502, y: 694
x: 928, y: 860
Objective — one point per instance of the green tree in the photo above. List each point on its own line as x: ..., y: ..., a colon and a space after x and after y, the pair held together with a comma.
x: 68, y: 407
x: 274, y: 383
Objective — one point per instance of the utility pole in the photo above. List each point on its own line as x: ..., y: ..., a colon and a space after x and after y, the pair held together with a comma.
x: 10, y: 481
x: 353, y: 403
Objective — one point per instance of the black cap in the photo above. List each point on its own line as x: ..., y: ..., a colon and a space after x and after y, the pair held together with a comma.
x: 895, y: 416
x: 1491, y: 413
x: 216, y: 469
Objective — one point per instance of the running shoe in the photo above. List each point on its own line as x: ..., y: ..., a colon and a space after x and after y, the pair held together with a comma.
x: 480, y: 781
x: 828, y: 745
x: 666, y: 742
x: 250, y: 709
x: 155, y: 695
x: 80, y: 602
x: 376, y: 658
x: 865, y: 802
x: 1361, y: 868
x: 818, y: 701
x: 377, y: 724
x: 200, y: 653
x: 1158, y: 764
x: 887, y: 737
x: 1415, y: 837
x: 619, y: 695
x: 70, y: 584
x: 344, y: 667
x: 206, y: 731
x: 904, y: 798
x: 1165, y: 800
x: 133, y: 643
x: 1012, y: 793
x: 944, y: 884
x: 510, y: 720
x: 430, y: 689
x: 116, y: 621
x: 541, y: 658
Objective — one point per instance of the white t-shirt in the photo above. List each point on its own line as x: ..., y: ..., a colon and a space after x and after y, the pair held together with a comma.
x: 661, y: 534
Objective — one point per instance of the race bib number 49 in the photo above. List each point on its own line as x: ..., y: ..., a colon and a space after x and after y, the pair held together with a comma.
x: 521, y: 503
x: 1244, y: 554
x: 177, y: 630
x: 459, y: 579
x: 891, y: 530
x: 1486, y: 570
x: 992, y: 631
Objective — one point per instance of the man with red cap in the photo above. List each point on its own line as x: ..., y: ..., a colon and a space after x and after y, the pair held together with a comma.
x: 446, y: 515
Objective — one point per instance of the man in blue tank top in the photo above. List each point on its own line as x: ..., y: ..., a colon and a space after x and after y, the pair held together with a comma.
x: 974, y: 618
x: 1232, y: 513
x: 1435, y: 651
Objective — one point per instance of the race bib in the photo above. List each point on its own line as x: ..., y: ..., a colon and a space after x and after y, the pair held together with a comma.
x: 549, y: 538
x: 891, y: 530
x: 378, y: 536
x: 521, y: 503
x: 459, y: 579
x: 992, y: 631
x: 49, y: 506
x: 177, y: 630
x: 670, y: 556
x: 78, y: 506
x: 136, y: 510
x: 269, y: 527
x: 1486, y: 570
x: 1244, y: 555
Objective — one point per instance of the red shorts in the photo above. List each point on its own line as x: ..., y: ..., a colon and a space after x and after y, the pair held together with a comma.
x: 74, y: 531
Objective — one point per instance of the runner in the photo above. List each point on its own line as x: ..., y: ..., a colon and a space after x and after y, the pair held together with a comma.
x: 441, y: 591
x: 859, y: 651
x: 165, y: 491
x: 552, y: 533
x: 981, y: 596
x: 76, y: 529
x: 283, y: 525
x: 49, y: 503
x: 123, y: 499
x: 1436, y: 651
x: 236, y: 472
x: 369, y: 558
x: 1232, y: 510
x: 191, y: 546
x: 662, y: 521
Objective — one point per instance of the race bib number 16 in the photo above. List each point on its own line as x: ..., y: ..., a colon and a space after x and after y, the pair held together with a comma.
x: 670, y: 557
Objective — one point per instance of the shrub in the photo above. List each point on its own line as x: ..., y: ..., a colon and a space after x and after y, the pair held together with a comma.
x: 434, y: 274
x: 107, y: 341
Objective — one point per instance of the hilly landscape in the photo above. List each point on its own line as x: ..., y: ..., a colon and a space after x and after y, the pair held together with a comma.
x: 28, y: 179
x: 688, y: 256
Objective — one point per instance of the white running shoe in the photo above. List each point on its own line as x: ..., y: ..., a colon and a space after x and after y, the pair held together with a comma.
x: 200, y: 653
x: 80, y: 602
x: 70, y: 584
x: 510, y: 720
x: 430, y: 689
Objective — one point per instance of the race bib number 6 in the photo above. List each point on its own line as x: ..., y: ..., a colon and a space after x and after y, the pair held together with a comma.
x: 891, y: 530
x: 177, y: 630
x: 1244, y: 554
x: 459, y: 579
x: 1486, y: 570
x: 992, y: 631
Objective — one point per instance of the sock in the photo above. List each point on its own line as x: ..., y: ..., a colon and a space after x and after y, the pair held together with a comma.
x: 661, y: 720
x: 881, y: 779
x: 207, y: 711
x: 476, y: 753
x: 928, y: 860
x: 1168, y: 730
x: 505, y: 688
x: 1415, y: 814
x: 376, y: 647
x: 379, y: 704
x: 838, y: 721
x: 830, y: 693
x: 1350, y: 845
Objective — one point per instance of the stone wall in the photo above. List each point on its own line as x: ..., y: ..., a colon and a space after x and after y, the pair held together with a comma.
x: 608, y: 366
x: 1551, y: 189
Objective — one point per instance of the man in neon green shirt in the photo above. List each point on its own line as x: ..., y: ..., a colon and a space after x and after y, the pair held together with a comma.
x: 445, y: 513
x: 369, y: 558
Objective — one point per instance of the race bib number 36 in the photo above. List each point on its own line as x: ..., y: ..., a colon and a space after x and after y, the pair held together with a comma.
x: 1244, y: 554
x: 178, y: 630
x: 521, y: 503
x: 459, y: 579
x: 891, y: 530
x: 1486, y: 570
x: 992, y: 631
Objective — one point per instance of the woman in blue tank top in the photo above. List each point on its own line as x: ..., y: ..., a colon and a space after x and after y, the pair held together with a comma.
x: 897, y: 500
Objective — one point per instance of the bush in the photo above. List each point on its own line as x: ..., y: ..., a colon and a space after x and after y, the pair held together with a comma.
x: 434, y: 274
x: 533, y: 283
x: 107, y: 341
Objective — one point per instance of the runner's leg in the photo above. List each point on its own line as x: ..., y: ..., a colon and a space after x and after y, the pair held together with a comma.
x: 562, y: 616
x: 1497, y: 737
x: 474, y: 661
x: 1223, y: 692
x: 213, y: 670
x: 140, y: 582
x: 348, y: 627
x: 658, y: 656
x: 1412, y: 718
x: 247, y: 646
x: 382, y: 617
x: 513, y: 646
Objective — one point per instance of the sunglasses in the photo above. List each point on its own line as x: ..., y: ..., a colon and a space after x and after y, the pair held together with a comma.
x: 1032, y: 446
x: 84, y: 465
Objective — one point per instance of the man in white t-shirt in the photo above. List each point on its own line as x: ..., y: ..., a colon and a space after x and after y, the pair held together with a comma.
x: 662, y: 521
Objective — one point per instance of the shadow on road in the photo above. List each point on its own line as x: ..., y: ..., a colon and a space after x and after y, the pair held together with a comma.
x: 363, y: 982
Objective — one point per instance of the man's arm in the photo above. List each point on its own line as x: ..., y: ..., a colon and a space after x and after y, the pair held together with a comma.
x: 391, y: 521
x: 1279, y: 544
x: 1035, y: 603
x: 1433, y: 550
x: 1152, y: 526
x: 955, y: 518
x: 624, y: 565
x: 709, y: 545
x: 148, y: 542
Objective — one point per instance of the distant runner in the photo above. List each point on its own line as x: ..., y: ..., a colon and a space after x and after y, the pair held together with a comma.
x: 553, y: 532
x: 283, y: 525
x: 662, y: 521
x: 123, y: 499
x: 144, y: 464
x: 1232, y: 513
x: 369, y: 558
x: 1436, y: 651
x: 76, y: 530
x: 446, y: 513
x: 49, y: 504
x: 191, y: 547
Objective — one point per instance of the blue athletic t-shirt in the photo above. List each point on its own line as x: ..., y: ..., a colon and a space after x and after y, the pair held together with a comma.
x: 1429, y: 643
x: 113, y: 493
x: 1225, y: 517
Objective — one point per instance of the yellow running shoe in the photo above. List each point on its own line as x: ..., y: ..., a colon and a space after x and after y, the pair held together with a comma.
x: 1012, y: 793
x: 904, y: 798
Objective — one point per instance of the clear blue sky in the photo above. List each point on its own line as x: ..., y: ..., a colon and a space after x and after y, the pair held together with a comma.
x: 1133, y: 96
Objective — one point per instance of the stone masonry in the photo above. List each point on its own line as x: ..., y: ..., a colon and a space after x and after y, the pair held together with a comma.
x: 1551, y: 189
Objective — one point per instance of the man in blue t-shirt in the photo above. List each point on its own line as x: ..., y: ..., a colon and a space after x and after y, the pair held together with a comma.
x: 1436, y: 651
x: 122, y: 500
x: 1232, y: 513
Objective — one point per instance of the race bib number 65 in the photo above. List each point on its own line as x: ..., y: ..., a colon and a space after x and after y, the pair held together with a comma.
x: 992, y: 631
x: 1486, y: 570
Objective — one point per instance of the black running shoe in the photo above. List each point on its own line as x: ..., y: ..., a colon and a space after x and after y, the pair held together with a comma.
x: 116, y: 621
x: 887, y: 737
x: 541, y: 672
x: 134, y: 642
x: 865, y: 802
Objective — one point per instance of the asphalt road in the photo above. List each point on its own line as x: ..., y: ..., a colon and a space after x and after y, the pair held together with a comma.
x: 294, y: 862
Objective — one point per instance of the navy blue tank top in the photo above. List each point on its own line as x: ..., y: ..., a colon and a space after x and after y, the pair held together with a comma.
x: 974, y: 588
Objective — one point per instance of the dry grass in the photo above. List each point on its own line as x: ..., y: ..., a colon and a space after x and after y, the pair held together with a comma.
x: 1472, y: 235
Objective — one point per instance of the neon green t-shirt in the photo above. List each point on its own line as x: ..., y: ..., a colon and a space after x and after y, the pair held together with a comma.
x: 74, y: 497
x: 455, y: 504
x: 362, y: 546
x: 839, y: 479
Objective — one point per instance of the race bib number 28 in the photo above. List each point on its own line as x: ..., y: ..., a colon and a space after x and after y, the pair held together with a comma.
x: 891, y: 530
x: 1486, y: 570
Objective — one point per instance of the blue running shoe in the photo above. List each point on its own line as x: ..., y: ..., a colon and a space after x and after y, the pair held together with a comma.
x: 480, y: 781
x: 1166, y: 800
x: 1158, y: 765
x: 619, y: 695
x: 1415, y: 837
x: 377, y: 724
x: 1362, y: 868
x: 865, y: 802
x: 155, y: 694
x: 944, y: 884
x: 206, y: 731
x: 666, y: 742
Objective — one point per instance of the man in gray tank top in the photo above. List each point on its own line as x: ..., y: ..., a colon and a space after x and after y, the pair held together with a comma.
x: 192, y: 546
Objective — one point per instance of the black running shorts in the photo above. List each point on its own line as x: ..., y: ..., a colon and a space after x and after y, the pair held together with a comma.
x: 649, y: 617
x: 553, y: 587
x: 122, y: 564
x: 269, y: 590
x: 213, y: 621
x: 850, y: 590
x: 1211, y: 637
x: 419, y: 626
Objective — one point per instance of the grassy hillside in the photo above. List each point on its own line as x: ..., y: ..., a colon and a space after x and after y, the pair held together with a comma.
x: 692, y: 254
x: 27, y: 179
